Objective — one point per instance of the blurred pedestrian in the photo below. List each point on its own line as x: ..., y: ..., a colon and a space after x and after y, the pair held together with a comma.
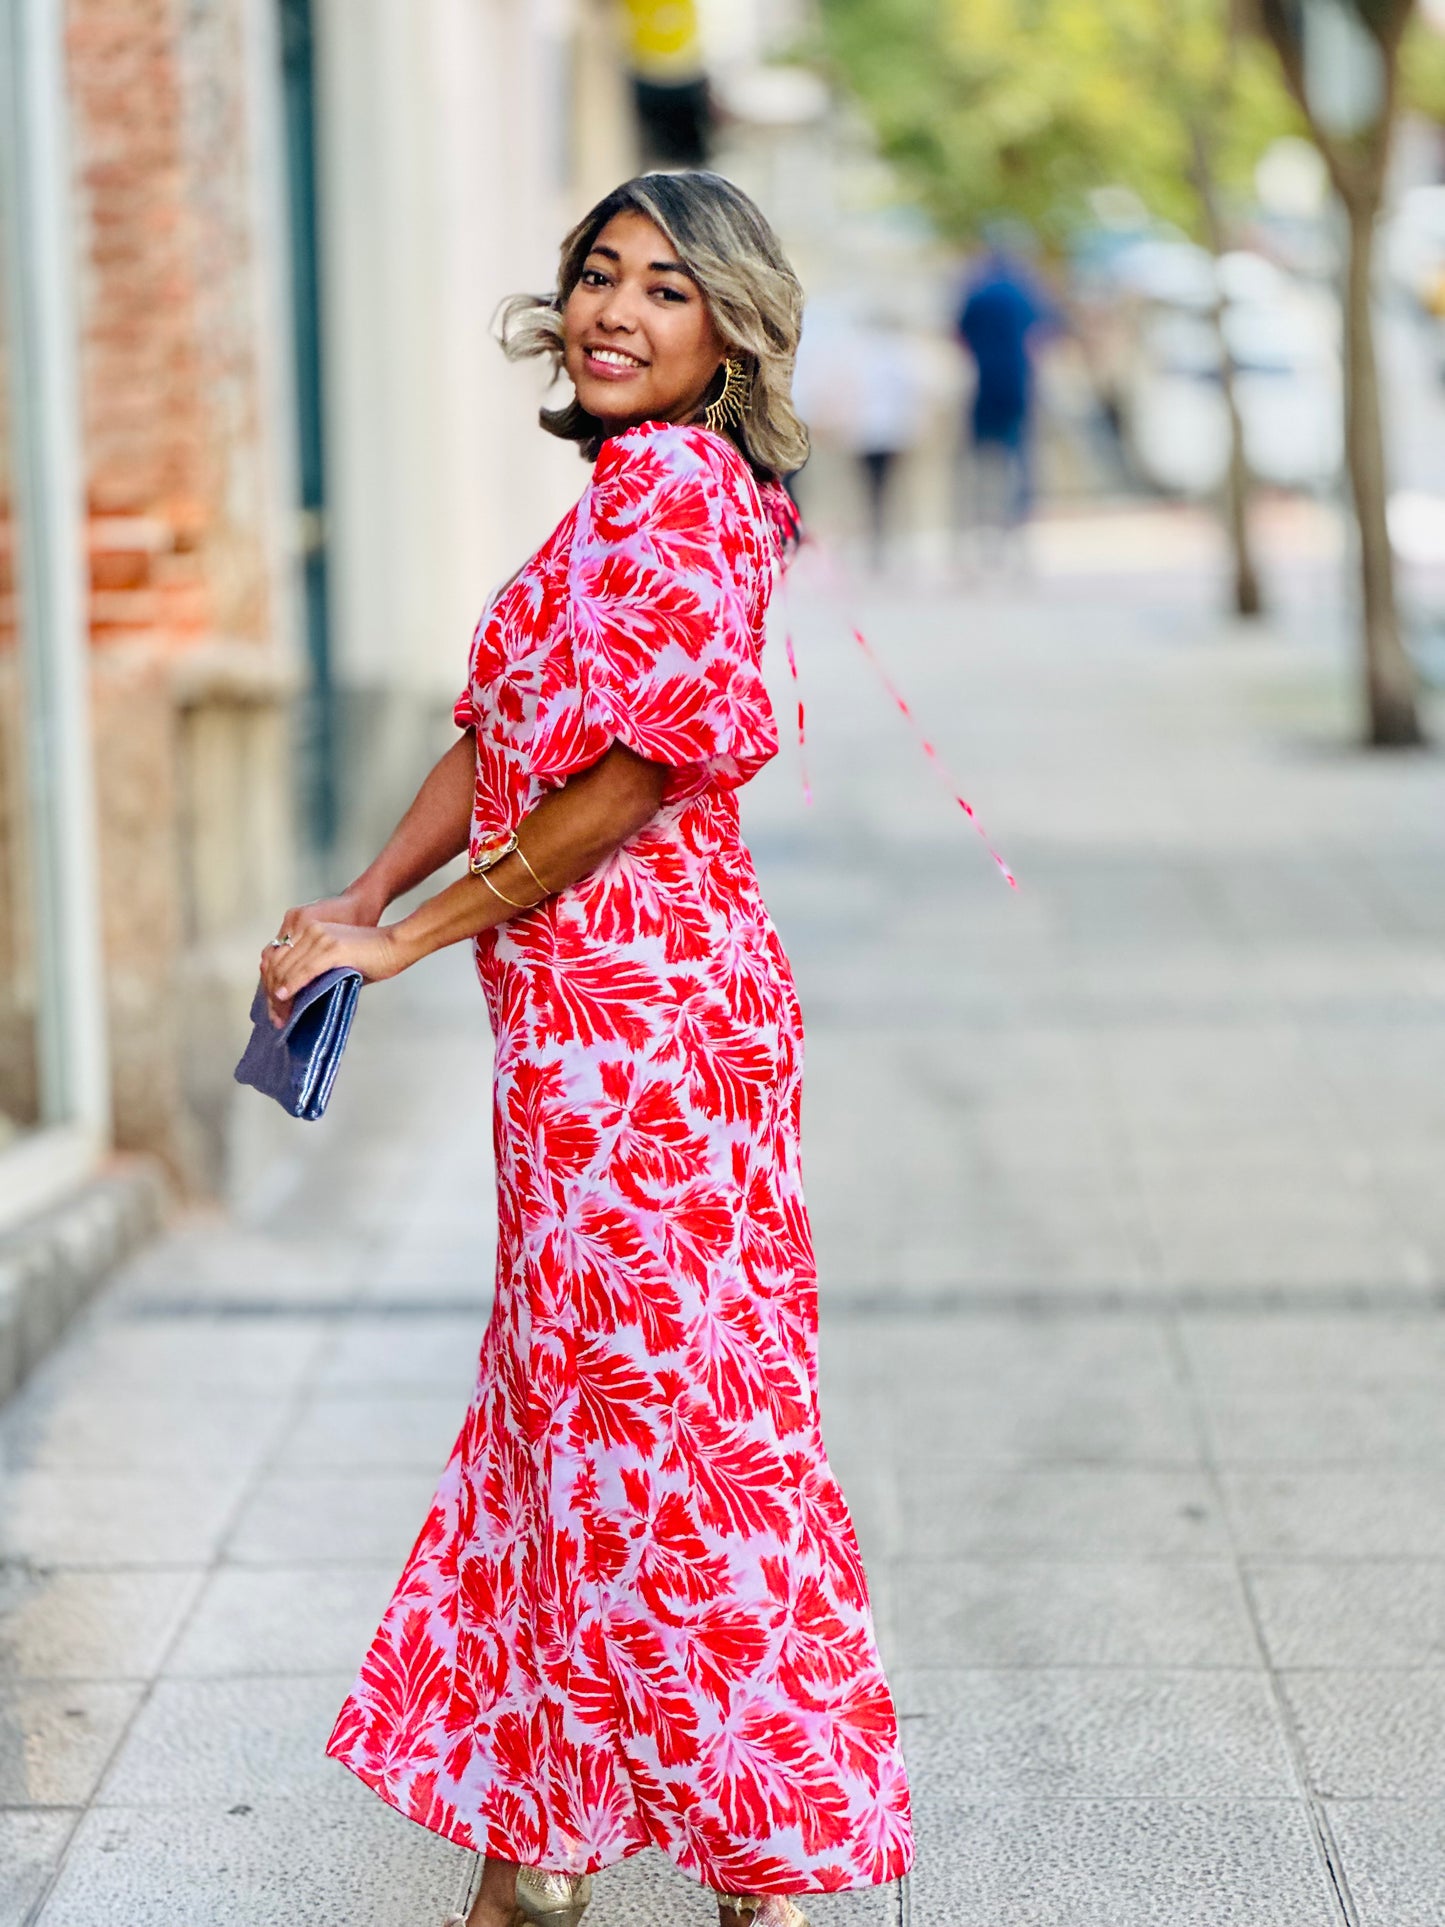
x: 1002, y: 316
x: 635, y: 1615
x: 885, y: 395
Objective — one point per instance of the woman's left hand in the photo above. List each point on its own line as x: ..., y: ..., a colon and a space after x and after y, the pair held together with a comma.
x: 289, y: 967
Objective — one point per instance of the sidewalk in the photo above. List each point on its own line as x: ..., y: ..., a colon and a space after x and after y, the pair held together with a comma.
x: 1129, y: 1211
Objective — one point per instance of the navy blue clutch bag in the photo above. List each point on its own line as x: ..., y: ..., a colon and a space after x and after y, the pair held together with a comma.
x: 297, y: 1064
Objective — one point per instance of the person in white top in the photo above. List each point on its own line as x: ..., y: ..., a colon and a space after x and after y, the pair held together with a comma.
x: 885, y: 416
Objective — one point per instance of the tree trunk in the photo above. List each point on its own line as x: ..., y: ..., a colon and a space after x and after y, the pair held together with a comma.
x: 1237, y: 480
x: 1237, y: 488
x: 1392, y: 710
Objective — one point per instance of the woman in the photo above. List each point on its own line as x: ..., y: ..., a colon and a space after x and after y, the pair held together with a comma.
x: 635, y: 1614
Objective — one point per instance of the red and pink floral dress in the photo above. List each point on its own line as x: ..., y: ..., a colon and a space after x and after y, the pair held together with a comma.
x: 636, y: 1613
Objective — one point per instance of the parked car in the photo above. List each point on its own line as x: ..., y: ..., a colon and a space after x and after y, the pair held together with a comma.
x: 1413, y: 247
x: 1413, y: 251
x: 1283, y: 342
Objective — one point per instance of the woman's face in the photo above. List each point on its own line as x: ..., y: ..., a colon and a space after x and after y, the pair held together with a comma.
x: 638, y: 340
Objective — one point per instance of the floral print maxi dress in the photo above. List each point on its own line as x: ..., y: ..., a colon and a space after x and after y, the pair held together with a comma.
x: 636, y: 1613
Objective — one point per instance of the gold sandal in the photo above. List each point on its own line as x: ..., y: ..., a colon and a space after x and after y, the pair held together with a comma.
x: 543, y: 1899
x: 552, y: 1899
x: 765, y: 1910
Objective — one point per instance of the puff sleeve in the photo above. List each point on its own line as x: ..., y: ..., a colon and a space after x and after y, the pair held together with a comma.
x: 662, y: 631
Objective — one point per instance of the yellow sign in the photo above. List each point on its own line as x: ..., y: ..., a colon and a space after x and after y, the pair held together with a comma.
x: 663, y: 39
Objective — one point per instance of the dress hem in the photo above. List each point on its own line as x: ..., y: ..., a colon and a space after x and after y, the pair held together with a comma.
x: 462, y: 1835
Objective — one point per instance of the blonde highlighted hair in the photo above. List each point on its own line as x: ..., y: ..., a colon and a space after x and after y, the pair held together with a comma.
x: 753, y: 296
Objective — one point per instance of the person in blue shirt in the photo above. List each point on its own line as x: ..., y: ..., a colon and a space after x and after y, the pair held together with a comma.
x: 1002, y: 316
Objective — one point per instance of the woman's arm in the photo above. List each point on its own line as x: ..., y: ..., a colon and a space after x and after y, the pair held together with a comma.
x: 435, y: 828
x: 570, y: 832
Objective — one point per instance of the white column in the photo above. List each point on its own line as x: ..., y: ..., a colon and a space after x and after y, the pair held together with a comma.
x: 443, y: 188
x: 52, y: 567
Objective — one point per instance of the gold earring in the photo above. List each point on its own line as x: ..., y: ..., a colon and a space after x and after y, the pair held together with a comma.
x: 727, y: 407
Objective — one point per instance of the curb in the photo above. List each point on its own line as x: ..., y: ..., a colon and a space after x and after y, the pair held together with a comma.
x: 52, y: 1265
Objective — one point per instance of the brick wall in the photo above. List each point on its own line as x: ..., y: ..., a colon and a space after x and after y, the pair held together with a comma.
x: 177, y: 452
x: 146, y: 442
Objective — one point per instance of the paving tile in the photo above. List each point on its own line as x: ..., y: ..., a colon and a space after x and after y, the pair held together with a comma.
x: 148, y: 1431
x: 272, y: 1861
x: 1371, y: 1735
x: 455, y: 1268
x: 870, y: 1493
x: 1383, y: 1062
x: 30, y: 1848
x: 1380, y: 1511
x: 217, y: 1741
x: 1284, y: 1350
x: 90, y: 1625
x: 211, y: 1262
x: 1051, y: 1351
x: 1111, y: 1733
x: 1103, y: 1863
x: 1119, y: 1613
x: 130, y: 1356
x: 1032, y: 1511
x: 1275, y: 1249
x: 318, y: 1518
x: 1351, y: 1613
x: 57, y: 1737
x: 268, y: 1620
x: 1344, y: 1424
x: 1410, y: 1175
x: 649, y: 1888
x: 1039, y: 1418
x: 863, y: 1907
x: 126, y: 1519
x: 436, y: 1355
x: 1247, y: 1172
x: 1066, y: 1252
x: 1394, y: 1858
x: 382, y: 1195
x: 1058, y: 1140
x: 370, y: 1431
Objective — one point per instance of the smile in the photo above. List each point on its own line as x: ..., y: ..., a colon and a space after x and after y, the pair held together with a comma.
x: 611, y: 362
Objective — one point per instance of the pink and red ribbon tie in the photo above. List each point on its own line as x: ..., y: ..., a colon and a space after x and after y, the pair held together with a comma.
x: 931, y: 752
x: 925, y: 744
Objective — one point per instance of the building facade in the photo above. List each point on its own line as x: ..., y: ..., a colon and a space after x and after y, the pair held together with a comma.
x: 456, y: 142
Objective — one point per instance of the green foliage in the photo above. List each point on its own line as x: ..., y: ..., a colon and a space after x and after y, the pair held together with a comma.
x: 1422, y: 69
x: 1023, y: 106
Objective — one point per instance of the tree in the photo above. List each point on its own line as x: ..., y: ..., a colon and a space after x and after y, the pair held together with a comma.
x: 1024, y: 106
x: 1352, y: 131
x: 1195, y: 60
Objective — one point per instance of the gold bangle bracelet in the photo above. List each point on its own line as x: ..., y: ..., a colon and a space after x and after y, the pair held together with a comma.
x: 501, y: 895
x: 494, y: 856
x: 521, y: 855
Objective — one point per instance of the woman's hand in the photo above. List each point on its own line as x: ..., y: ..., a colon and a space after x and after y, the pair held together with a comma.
x: 354, y: 907
x: 319, y: 946
x: 355, y: 904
